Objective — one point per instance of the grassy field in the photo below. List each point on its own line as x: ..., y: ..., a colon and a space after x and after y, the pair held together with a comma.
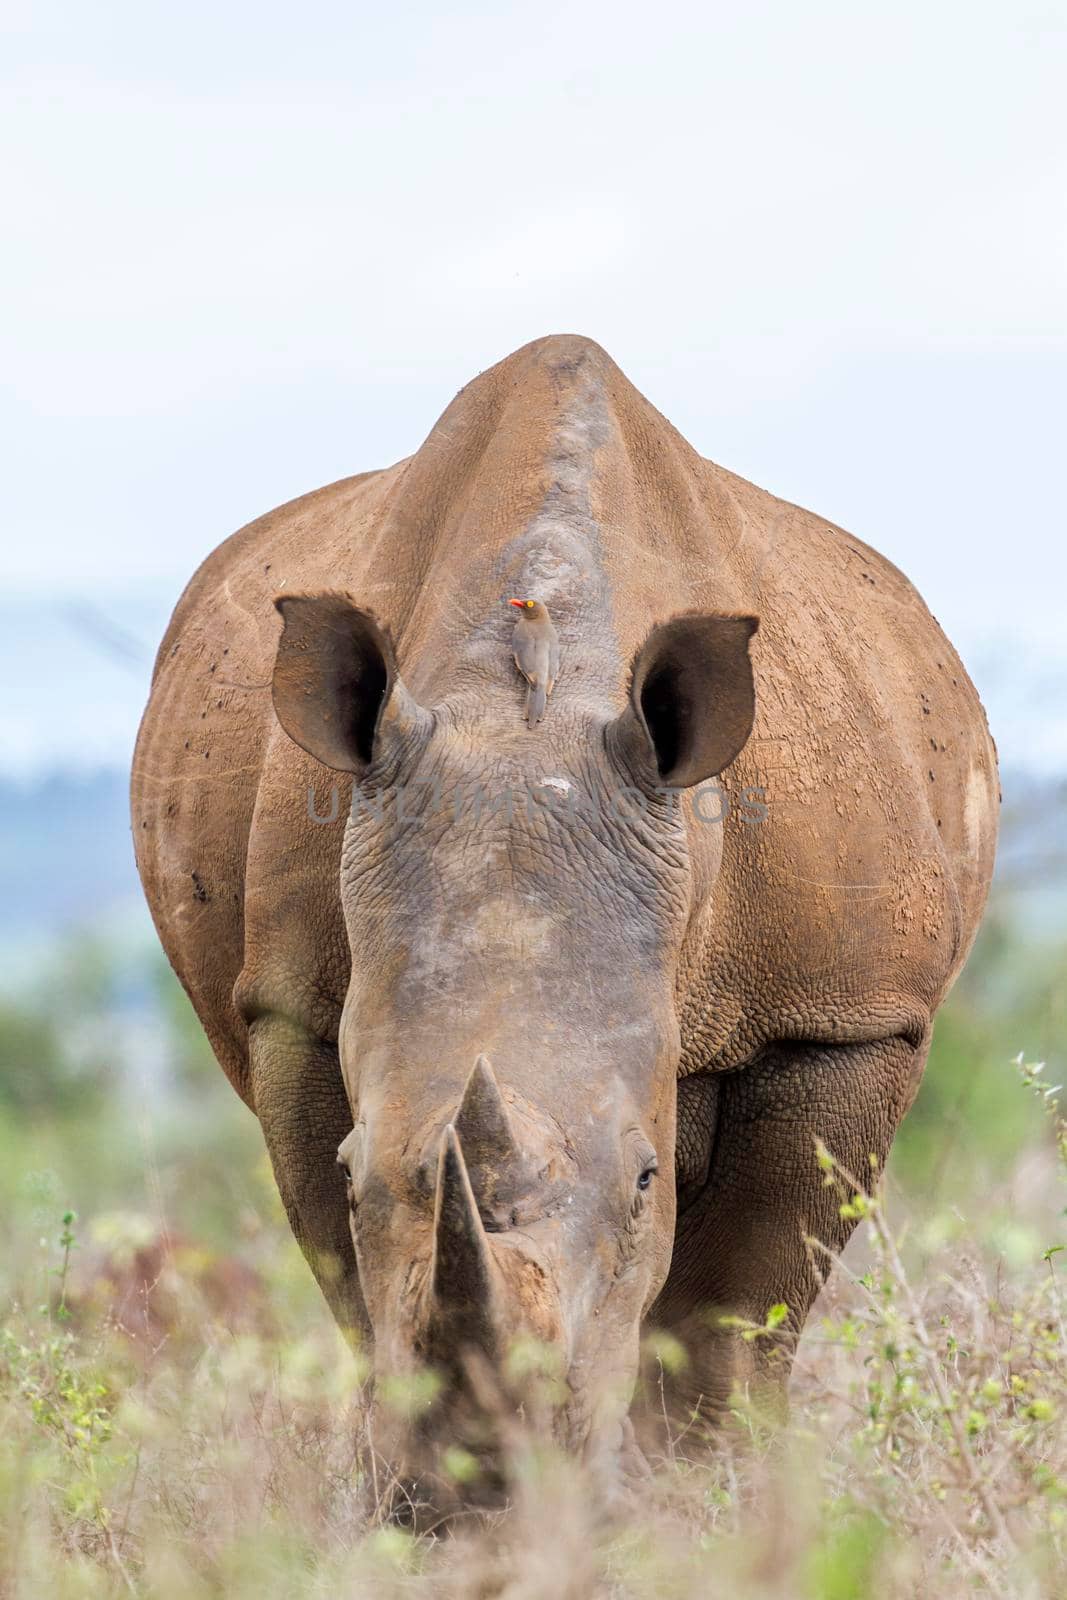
x: 200, y: 1438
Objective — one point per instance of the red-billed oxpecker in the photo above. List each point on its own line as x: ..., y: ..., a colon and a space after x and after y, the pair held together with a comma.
x: 535, y: 646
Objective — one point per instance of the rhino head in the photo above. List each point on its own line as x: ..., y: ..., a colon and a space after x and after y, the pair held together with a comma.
x: 517, y: 907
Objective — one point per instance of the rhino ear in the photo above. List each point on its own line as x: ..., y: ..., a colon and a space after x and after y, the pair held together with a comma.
x: 692, y: 699
x: 336, y: 689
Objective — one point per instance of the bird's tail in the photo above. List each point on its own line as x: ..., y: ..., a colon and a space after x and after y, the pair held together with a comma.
x: 535, y: 703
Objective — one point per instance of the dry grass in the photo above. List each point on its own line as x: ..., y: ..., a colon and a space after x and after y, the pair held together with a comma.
x: 198, y: 1448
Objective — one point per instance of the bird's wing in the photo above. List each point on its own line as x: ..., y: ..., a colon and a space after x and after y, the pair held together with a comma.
x: 553, y: 658
x: 530, y: 658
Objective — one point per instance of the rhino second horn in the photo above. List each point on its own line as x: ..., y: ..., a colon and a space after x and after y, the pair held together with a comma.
x: 482, y: 1121
x: 463, y: 1275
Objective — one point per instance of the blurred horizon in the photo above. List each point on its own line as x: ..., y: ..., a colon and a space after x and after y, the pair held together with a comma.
x: 77, y: 662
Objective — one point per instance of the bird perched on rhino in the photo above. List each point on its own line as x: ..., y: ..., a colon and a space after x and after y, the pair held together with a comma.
x: 535, y: 646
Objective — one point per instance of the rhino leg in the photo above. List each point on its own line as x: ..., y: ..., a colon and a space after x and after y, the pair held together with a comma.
x: 299, y: 1098
x: 740, y: 1244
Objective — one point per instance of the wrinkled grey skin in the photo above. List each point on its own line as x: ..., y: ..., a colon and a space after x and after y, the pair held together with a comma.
x: 647, y: 990
x: 482, y: 926
x: 532, y: 980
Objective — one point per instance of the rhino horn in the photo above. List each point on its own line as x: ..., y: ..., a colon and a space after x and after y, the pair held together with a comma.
x: 463, y: 1275
x: 482, y: 1121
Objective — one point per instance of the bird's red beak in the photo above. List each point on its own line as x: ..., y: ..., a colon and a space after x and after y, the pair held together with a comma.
x: 519, y: 603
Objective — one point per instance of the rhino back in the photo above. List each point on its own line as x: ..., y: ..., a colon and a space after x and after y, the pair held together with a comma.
x: 848, y: 909
x: 206, y: 740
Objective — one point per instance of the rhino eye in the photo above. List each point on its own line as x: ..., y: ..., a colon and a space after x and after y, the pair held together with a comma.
x: 647, y: 1174
x: 342, y: 1168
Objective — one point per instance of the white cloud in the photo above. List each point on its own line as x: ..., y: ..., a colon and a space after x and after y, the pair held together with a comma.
x: 247, y: 252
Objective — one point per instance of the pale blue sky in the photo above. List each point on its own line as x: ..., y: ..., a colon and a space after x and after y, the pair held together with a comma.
x: 250, y: 249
